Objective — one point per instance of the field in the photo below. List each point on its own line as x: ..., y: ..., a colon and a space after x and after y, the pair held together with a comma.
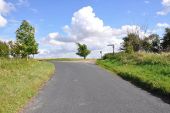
x: 147, y: 70
x: 19, y: 82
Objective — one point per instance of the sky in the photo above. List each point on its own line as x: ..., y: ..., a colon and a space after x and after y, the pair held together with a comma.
x: 60, y: 24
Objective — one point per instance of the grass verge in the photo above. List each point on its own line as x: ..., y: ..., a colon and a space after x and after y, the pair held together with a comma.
x: 20, y: 80
x: 148, y: 71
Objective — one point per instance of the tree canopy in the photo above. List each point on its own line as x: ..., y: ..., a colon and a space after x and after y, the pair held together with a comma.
x: 83, y: 50
x: 25, y: 38
x: 166, y: 40
x: 131, y: 43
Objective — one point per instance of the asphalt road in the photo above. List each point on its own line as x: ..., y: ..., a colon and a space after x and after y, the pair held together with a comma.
x: 86, y: 88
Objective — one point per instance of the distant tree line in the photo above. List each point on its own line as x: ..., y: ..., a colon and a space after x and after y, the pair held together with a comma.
x: 153, y: 43
x: 134, y: 43
x: 25, y: 44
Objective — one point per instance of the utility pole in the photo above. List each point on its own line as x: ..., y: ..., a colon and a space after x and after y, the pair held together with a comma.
x: 113, y: 46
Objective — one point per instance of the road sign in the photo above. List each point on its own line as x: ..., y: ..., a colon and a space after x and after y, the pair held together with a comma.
x: 112, y: 45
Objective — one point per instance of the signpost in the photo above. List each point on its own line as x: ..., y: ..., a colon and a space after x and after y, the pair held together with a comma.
x: 101, y: 54
x: 113, y: 46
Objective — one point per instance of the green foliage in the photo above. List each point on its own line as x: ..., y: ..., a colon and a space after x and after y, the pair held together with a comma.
x: 146, y: 44
x: 148, y: 70
x: 26, y: 39
x: 83, y: 50
x: 15, y: 49
x: 166, y: 40
x: 19, y: 82
x: 4, y: 49
x: 108, y: 56
x: 131, y: 43
x: 155, y: 43
x: 142, y: 58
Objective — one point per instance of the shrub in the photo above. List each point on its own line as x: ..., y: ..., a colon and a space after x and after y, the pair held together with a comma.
x: 108, y: 56
x: 4, y: 49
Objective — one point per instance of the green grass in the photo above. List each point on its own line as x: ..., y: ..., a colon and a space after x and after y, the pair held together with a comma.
x: 149, y: 71
x: 20, y: 80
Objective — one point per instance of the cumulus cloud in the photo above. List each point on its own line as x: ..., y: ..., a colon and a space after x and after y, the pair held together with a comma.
x: 89, y: 29
x: 166, y: 8
x: 5, y: 8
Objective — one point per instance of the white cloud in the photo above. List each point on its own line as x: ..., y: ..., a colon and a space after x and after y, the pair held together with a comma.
x: 163, y: 25
x: 43, y: 51
x: 5, y: 8
x: 53, y: 35
x: 166, y: 8
x: 166, y: 2
x: 3, y: 21
x: 87, y: 28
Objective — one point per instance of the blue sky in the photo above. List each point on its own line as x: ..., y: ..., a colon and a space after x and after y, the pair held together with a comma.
x: 96, y: 22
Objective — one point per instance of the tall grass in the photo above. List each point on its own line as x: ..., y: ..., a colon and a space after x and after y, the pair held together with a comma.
x: 20, y: 81
x: 148, y: 70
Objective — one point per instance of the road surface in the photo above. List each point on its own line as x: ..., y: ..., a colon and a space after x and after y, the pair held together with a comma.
x: 86, y: 88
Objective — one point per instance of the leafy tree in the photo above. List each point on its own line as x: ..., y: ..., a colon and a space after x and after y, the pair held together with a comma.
x: 35, y: 49
x: 82, y: 50
x: 132, y: 43
x: 146, y: 44
x: 4, y: 49
x: 25, y: 35
x: 15, y: 49
x: 166, y: 40
x: 155, y: 42
x: 151, y: 43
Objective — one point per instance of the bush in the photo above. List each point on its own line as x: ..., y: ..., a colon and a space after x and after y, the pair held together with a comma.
x: 108, y: 56
x: 4, y: 49
x: 140, y: 58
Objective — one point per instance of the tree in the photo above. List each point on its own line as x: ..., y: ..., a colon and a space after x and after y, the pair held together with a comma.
x: 15, y: 49
x: 25, y: 35
x: 155, y: 42
x: 146, y: 44
x: 35, y: 49
x: 166, y: 40
x: 132, y: 43
x: 82, y: 50
x: 4, y: 49
x: 151, y: 43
